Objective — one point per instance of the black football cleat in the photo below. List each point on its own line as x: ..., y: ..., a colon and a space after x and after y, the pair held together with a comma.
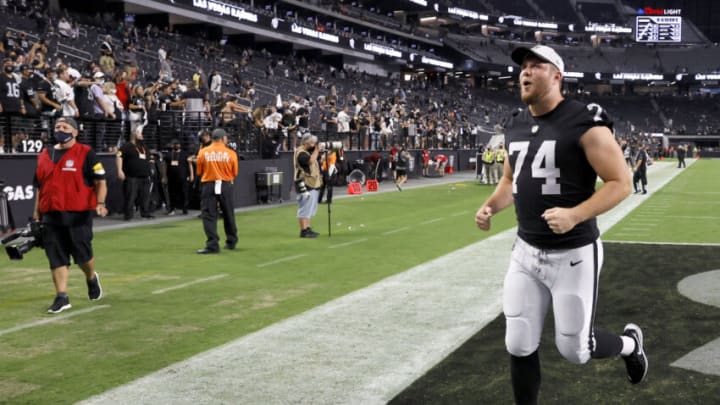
x: 636, y: 363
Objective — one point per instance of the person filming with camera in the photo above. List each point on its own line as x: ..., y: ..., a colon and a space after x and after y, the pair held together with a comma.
x: 71, y: 189
x: 308, y: 181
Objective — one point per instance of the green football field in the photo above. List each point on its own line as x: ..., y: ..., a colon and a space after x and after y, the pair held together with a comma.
x: 163, y: 303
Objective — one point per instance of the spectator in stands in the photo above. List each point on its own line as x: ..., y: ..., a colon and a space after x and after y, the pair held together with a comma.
x: 9, y: 43
x: 162, y: 53
x: 271, y: 123
x: 11, y: 102
x: 46, y: 93
x: 64, y: 28
x: 122, y: 89
x: 199, y: 78
x: 136, y: 108
x: 107, y: 60
x: 237, y: 78
x: 215, y: 85
x: 289, y: 126
x: 166, y: 73
x: 343, y: 126
x: 115, y: 105
x: 65, y: 94
x: 101, y: 109
x: 197, y: 110
x: 28, y: 92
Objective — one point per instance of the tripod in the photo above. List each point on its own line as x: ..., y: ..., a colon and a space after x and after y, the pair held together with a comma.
x: 6, y: 220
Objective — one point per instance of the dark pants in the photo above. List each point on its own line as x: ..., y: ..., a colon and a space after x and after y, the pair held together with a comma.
x: 640, y: 176
x: 137, y: 191
x: 209, y: 207
x: 681, y: 161
x: 179, y: 190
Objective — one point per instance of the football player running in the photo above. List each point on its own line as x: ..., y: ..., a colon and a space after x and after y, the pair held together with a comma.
x: 556, y: 149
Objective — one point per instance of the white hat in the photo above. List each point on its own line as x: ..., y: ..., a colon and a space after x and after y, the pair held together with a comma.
x: 74, y: 73
x: 541, y: 51
x: 99, y: 75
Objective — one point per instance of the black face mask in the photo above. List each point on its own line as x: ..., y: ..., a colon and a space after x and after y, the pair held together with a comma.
x: 9, y: 69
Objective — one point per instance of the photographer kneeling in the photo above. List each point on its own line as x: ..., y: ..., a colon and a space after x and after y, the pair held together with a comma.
x: 307, y: 183
x: 71, y: 188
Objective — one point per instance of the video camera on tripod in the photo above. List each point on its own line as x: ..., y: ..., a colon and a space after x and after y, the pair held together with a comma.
x: 23, y: 240
x: 19, y: 241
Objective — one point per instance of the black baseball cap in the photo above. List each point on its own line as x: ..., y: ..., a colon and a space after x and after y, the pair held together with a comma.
x: 68, y: 120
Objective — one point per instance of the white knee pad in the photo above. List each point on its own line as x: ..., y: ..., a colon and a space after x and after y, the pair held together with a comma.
x: 570, y: 323
x: 518, y: 337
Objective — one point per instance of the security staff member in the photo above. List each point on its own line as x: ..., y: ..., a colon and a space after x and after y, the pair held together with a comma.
x: 488, y: 160
x: 70, y: 183
x: 133, y: 168
x: 217, y: 167
x: 180, y: 175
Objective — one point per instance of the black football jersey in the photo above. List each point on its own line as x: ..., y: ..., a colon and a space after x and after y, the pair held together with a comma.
x: 550, y: 169
x: 10, y: 94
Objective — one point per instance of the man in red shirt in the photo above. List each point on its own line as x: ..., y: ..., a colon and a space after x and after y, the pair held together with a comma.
x: 441, y: 161
x: 71, y: 188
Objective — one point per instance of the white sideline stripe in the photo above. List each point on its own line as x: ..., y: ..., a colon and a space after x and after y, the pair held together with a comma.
x: 362, y: 348
x: 54, y: 318
x: 282, y: 259
x: 457, y: 214
x: 188, y: 284
x: 637, y: 242
x: 627, y: 228
x: 431, y: 221
x: 696, y: 217
x: 354, y: 242
x: 404, y: 228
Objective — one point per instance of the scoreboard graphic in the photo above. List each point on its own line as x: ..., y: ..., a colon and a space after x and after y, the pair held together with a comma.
x: 658, y: 29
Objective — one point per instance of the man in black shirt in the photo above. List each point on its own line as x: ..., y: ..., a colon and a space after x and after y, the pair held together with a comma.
x: 180, y: 175
x: 642, y: 159
x: 46, y: 93
x: 134, y: 170
x: 556, y: 149
x: 28, y: 93
x: 11, y: 101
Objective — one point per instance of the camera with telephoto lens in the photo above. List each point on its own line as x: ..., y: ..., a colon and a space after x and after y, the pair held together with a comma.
x: 331, y: 146
x: 23, y: 240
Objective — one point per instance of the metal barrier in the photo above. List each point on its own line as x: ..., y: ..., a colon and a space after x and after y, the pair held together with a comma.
x: 19, y: 134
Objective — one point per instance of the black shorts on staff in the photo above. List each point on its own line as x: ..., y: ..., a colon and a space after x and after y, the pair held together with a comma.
x: 61, y: 242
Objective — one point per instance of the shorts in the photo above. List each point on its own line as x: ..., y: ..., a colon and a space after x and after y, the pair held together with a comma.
x: 401, y: 172
x: 307, y: 207
x: 62, y: 241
